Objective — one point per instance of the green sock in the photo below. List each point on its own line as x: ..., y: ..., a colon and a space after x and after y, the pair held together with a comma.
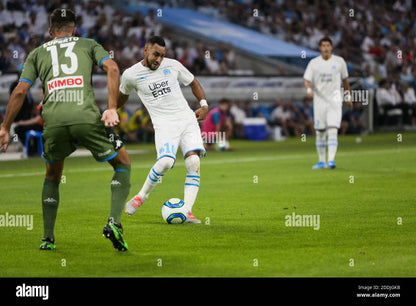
x: 50, y: 202
x: 120, y: 188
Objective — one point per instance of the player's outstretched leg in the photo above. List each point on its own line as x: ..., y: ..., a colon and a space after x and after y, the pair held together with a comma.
x: 155, y: 174
x: 192, y: 181
x: 320, y: 148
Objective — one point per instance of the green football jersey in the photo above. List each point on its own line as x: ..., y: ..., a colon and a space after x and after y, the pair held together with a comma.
x: 64, y: 66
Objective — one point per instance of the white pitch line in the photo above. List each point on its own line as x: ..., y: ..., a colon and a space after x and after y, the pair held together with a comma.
x: 222, y: 161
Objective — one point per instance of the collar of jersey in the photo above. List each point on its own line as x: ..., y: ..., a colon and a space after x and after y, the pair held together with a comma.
x: 62, y: 37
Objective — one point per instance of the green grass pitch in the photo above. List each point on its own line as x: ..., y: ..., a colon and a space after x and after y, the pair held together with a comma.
x: 247, y: 200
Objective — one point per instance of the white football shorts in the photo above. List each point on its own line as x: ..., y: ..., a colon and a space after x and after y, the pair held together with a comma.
x: 183, y: 133
x: 327, y: 115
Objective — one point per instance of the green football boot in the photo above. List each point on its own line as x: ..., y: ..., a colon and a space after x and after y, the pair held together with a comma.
x: 47, y: 244
x: 114, y: 232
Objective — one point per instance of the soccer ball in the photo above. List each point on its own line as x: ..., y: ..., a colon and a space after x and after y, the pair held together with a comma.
x: 174, y: 211
x: 223, y: 145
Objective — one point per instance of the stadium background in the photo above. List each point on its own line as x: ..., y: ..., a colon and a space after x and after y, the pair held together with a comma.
x: 366, y: 206
x: 251, y: 52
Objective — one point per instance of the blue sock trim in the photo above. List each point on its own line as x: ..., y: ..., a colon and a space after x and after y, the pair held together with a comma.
x: 189, y: 184
x: 152, y: 179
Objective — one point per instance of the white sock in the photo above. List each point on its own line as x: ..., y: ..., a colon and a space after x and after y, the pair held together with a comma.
x: 320, y: 145
x: 155, y: 175
x: 332, y: 143
x: 192, y: 180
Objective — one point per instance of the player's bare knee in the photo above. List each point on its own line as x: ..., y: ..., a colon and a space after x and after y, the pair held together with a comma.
x: 54, y: 170
x: 122, y: 157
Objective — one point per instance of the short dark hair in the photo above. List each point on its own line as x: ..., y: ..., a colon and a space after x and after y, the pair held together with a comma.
x: 156, y: 40
x: 62, y: 20
x: 327, y: 39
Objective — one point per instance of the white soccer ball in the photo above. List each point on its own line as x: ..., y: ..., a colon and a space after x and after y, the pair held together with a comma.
x: 174, y: 211
x: 223, y: 145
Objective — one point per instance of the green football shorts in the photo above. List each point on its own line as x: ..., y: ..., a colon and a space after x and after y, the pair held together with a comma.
x: 60, y: 142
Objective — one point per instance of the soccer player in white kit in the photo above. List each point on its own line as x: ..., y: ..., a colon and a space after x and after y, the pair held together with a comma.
x: 156, y: 81
x: 323, y: 78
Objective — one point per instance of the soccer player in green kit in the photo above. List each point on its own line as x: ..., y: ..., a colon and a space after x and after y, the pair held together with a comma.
x: 70, y: 114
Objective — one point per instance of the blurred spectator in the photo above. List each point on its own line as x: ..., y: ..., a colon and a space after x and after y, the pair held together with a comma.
x: 136, y: 127
x: 4, y: 15
x: 217, y: 126
x: 24, y: 34
x: 152, y: 23
x: 38, y: 25
x: 26, y: 111
x: 131, y: 52
x: 16, y: 49
x: 24, y: 25
x: 366, y: 32
x: 408, y: 103
x: 34, y: 123
x: 198, y: 65
x: 122, y: 129
x: 211, y: 62
x: 369, y: 81
x: 28, y: 118
x: 141, y: 127
x: 388, y: 100
x: 285, y: 115
x: 238, y: 115
x: 6, y: 63
x: 351, y: 120
x: 81, y: 30
x: 305, y: 116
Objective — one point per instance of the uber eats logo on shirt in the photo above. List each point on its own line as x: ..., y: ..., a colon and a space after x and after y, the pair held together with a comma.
x: 159, y: 89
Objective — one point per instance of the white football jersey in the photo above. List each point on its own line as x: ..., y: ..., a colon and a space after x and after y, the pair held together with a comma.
x: 326, y: 78
x: 159, y: 90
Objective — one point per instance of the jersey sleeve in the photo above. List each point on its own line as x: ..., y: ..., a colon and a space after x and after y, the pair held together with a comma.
x: 344, y: 70
x: 126, y: 85
x: 30, y: 72
x: 184, y: 75
x: 308, y: 73
x: 99, y: 54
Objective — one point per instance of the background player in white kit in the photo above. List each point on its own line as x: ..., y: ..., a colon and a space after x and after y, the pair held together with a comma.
x: 323, y: 78
x: 156, y: 81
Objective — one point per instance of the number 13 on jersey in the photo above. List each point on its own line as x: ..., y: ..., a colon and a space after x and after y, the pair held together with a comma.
x: 68, y: 53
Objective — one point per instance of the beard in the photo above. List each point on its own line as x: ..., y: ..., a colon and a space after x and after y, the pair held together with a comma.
x: 151, y: 65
